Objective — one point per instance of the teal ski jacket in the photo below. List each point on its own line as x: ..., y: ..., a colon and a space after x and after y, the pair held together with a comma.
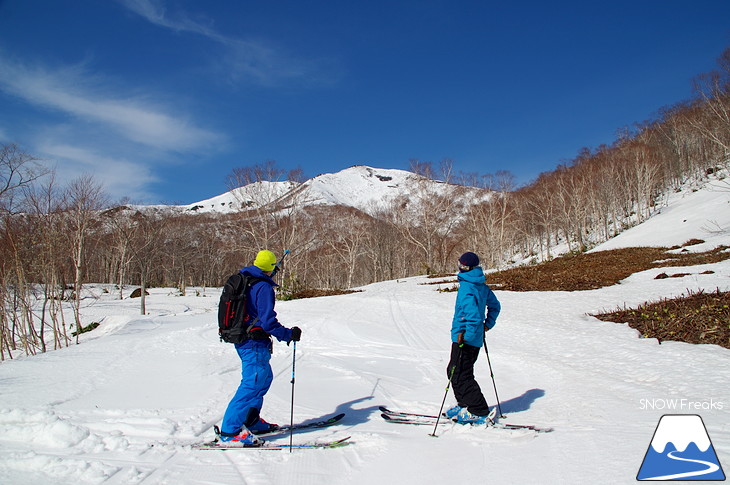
x: 476, y: 306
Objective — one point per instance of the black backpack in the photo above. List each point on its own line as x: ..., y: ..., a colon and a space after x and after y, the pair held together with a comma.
x: 233, y: 321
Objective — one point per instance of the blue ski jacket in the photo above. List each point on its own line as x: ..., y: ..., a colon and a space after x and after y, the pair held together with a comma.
x: 260, y: 304
x: 476, y: 306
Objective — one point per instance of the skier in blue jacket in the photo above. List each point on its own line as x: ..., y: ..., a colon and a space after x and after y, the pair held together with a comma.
x: 242, y: 419
x: 475, y: 312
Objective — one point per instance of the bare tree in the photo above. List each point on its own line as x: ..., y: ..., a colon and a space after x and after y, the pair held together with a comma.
x: 428, y: 216
x: 84, y: 199
x: 257, y: 190
x: 538, y: 205
x: 45, y: 215
x: 713, y: 89
x: 348, y: 242
x: 143, y: 235
x: 17, y: 170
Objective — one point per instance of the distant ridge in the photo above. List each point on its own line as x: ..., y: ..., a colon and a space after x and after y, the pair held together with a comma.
x: 365, y: 188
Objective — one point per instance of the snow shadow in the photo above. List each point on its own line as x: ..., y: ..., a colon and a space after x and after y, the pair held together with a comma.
x: 352, y: 416
x: 357, y: 416
x: 523, y: 402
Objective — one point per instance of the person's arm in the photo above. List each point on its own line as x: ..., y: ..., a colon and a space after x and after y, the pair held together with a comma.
x: 263, y: 293
x: 493, y: 309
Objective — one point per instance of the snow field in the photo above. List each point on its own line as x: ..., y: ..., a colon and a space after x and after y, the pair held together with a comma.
x: 124, y: 406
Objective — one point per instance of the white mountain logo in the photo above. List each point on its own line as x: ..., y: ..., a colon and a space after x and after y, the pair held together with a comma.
x: 681, y: 450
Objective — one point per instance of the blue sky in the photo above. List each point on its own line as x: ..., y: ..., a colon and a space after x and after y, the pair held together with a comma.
x: 161, y: 99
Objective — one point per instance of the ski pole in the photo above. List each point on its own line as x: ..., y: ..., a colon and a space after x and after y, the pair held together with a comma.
x: 278, y: 263
x: 448, y: 385
x: 499, y: 407
x: 293, y: 367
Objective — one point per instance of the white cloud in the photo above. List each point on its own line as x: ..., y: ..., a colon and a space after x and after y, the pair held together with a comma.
x: 243, y: 59
x: 74, y: 91
x: 118, y: 139
x: 120, y: 177
x: 154, y: 12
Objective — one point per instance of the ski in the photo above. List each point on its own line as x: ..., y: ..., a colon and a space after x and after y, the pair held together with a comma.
x: 315, y: 424
x: 265, y: 445
x: 389, y: 412
x: 401, y: 417
x: 415, y: 420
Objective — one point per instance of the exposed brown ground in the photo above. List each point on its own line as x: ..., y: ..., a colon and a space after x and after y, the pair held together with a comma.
x: 696, y: 318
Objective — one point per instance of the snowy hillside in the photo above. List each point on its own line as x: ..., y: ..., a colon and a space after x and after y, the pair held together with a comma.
x: 364, y: 188
x: 244, y: 197
x: 702, y: 214
x: 361, y: 187
x: 123, y: 406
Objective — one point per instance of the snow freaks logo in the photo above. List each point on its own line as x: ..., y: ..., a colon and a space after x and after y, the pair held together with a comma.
x: 681, y: 450
x: 680, y: 405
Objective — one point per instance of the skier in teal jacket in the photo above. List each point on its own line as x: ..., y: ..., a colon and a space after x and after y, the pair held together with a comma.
x: 475, y: 312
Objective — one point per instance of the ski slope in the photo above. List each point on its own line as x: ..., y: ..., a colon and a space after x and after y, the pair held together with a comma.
x: 122, y: 407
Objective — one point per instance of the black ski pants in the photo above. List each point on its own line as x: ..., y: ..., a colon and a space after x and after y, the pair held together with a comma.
x: 466, y: 389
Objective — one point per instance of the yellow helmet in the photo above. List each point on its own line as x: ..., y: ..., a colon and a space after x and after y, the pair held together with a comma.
x: 266, y: 260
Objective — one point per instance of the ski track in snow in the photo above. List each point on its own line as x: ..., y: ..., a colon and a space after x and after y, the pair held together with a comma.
x: 124, y: 406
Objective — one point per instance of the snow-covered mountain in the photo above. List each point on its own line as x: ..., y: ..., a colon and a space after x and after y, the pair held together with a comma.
x: 361, y: 187
x: 243, y: 198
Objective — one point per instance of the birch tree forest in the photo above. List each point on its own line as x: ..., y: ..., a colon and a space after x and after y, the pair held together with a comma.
x: 55, y: 239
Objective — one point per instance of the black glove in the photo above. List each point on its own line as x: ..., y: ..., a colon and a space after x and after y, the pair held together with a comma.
x: 296, y: 334
x: 257, y: 333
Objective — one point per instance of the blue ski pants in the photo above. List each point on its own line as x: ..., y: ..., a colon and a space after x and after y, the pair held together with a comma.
x: 256, y: 378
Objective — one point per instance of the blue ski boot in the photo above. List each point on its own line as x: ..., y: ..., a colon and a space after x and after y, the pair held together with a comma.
x: 465, y: 417
x: 452, y: 412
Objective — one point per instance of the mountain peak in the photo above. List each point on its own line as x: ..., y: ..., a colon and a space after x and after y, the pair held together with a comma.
x: 362, y: 187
